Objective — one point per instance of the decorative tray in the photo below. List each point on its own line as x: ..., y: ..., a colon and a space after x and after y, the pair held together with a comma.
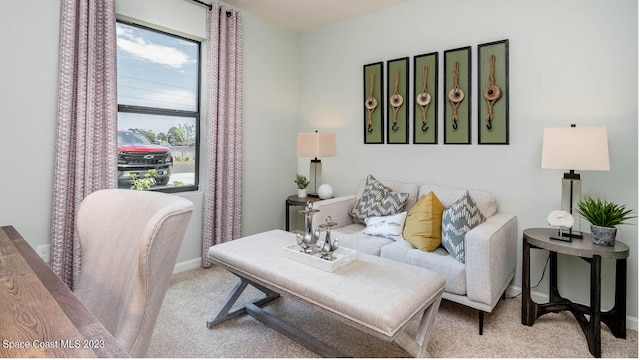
x: 341, y: 257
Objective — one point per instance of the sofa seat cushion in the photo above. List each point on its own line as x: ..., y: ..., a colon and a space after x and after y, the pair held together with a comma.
x: 439, y: 261
x: 351, y: 237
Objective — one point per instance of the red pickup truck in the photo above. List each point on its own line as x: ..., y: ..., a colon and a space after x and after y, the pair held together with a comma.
x: 137, y: 155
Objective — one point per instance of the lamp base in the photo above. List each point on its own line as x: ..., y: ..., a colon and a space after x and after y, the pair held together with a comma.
x: 563, y: 235
x: 315, y: 176
x: 573, y: 234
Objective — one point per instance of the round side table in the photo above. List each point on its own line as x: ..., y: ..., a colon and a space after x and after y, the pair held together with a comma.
x: 540, y: 238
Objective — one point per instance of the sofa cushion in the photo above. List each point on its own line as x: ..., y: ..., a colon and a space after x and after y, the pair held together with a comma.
x: 486, y: 201
x: 351, y: 237
x: 397, y: 186
x: 377, y: 200
x: 423, y: 227
x: 457, y: 220
x: 438, y: 261
x: 389, y: 227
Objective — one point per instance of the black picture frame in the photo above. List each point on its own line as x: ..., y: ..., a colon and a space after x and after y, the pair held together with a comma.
x: 425, y: 117
x: 493, y: 97
x: 398, y: 101
x: 373, y: 88
x: 457, y: 131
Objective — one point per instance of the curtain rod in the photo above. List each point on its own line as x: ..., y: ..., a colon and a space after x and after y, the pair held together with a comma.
x: 204, y: 4
x: 209, y: 6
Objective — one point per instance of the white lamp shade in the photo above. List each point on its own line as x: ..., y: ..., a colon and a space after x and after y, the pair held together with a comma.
x: 575, y: 148
x: 316, y: 145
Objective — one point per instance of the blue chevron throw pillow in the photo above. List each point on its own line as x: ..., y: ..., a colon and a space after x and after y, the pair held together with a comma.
x: 377, y: 200
x: 462, y: 216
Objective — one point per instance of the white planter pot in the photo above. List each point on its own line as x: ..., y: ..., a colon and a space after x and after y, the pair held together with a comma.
x: 302, y: 193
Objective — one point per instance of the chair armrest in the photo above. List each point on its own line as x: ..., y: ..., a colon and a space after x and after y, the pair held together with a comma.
x: 338, y: 208
x: 490, y: 258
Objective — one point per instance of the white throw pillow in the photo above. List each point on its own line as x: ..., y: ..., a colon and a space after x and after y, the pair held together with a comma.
x: 389, y: 226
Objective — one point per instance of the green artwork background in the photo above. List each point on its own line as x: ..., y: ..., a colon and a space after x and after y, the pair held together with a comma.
x: 400, y: 136
x: 377, y: 135
x: 499, y: 126
x: 431, y: 135
x: 461, y: 135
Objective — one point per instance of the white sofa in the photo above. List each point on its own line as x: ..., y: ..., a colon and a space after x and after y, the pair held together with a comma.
x: 490, y: 247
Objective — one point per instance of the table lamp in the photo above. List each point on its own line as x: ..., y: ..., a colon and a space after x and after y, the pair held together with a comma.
x: 316, y: 145
x: 572, y: 149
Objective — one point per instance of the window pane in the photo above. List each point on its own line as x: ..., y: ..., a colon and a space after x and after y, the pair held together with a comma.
x: 170, y: 149
x: 158, y: 109
x: 156, y: 70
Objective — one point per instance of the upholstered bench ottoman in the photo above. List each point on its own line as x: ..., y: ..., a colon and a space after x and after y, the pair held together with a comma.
x: 373, y: 294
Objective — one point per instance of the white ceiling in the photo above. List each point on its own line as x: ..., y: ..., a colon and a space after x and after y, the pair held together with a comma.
x: 303, y: 15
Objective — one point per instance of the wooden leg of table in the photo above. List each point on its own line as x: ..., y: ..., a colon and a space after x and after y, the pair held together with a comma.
x: 594, y: 320
x: 286, y: 215
x: 418, y: 346
x: 527, y: 315
x: 225, y: 312
x: 616, y: 318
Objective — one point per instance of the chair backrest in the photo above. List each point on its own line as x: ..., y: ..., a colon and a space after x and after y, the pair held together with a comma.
x: 129, y: 242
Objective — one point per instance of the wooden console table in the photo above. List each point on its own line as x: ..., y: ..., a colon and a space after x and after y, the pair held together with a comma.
x: 39, y: 315
x: 593, y: 254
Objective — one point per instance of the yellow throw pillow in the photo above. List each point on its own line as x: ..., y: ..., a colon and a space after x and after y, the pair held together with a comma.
x: 423, y: 226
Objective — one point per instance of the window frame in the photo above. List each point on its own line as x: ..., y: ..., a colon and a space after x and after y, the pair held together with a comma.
x: 174, y: 112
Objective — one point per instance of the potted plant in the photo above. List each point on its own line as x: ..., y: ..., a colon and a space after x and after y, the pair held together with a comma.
x: 603, y: 216
x: 302, y: 183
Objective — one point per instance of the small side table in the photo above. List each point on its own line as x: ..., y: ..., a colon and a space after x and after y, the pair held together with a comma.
x: 593, y: 254
x: 295, y: 200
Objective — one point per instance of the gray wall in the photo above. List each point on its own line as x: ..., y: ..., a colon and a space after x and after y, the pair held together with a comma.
x: 573, y: 61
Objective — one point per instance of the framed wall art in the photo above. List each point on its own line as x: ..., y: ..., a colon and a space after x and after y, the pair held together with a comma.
x: 457, y: 93
x: 373, y: 103
x: 398, y: 105
x: 493, y: 93
x: 425, y: 106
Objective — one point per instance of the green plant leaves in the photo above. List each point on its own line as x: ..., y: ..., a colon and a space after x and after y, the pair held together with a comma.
x: 603, y: 213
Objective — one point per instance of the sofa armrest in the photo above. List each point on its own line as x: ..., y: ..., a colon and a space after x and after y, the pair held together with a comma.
x: 338, y: 208
x: 490, y: 258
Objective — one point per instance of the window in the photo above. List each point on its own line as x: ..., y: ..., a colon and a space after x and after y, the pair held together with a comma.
x: 158, y: 109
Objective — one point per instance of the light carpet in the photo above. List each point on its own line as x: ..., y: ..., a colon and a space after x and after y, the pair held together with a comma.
x: 194, y: 295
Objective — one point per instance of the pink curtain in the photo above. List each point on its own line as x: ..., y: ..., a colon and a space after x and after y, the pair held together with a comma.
x: 221, y: 214
x: 85, y: 155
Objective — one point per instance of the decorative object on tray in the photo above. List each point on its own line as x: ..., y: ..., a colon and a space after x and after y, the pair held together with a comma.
x: 398, y: 112
x: 341, y: 257
x: 457, y: 84
x: 327, y: 247
x: 325, y: 191
x: 425, y: 110
x: 604, y: 216
x: 493, y: 94
x: 563, y: 220
x: 373, y: 106
x: 308, y: 240
x: 302, y: 183
x: 326, y: 255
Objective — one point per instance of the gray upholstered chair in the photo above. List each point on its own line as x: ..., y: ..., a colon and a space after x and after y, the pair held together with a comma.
x: 129, y: 241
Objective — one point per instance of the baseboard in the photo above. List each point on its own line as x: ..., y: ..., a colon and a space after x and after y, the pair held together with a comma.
x: 187, y: 265
x: 512, y: 291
